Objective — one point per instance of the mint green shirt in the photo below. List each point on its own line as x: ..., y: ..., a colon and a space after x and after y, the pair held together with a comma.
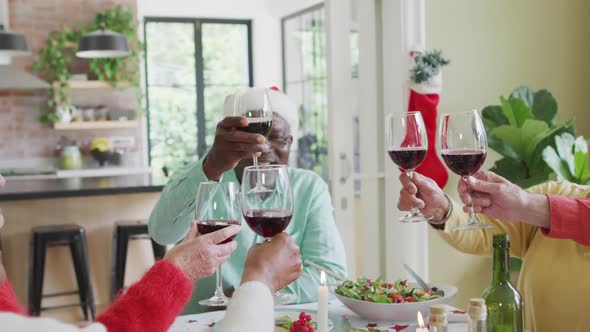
x: 312, y: 228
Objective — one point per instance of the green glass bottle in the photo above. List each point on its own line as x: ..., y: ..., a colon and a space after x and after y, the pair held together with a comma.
x: 505, y: 307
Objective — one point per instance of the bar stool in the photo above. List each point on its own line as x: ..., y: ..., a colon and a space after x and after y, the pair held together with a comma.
x: 124, y: 232
x: 42, y: 238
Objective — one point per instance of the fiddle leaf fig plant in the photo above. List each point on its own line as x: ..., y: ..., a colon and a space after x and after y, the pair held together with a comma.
x: 520, y: 129
x: 569, y: 158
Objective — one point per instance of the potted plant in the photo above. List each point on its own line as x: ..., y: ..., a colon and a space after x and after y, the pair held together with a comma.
x: 54, y: 58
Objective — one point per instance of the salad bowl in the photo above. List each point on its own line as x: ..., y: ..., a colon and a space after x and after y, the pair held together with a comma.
x: 394, y: 312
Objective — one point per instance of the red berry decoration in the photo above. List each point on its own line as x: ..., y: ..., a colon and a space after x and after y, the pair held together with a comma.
x: 303, y: 324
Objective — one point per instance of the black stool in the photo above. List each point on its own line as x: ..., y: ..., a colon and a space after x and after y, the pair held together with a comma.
x: 53, y: 236
x: 123, y: 233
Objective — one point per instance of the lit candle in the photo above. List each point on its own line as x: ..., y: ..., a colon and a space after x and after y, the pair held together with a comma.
x: 421, y: 327
x: 323, y: 304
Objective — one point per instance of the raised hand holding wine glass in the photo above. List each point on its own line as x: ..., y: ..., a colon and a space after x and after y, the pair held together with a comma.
x: 463, y: 148
x: 406, y: 145
x: 268, y: 213
x: 217, y: 206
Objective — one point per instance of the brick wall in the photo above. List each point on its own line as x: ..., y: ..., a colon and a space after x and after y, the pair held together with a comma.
x: 21, y: 135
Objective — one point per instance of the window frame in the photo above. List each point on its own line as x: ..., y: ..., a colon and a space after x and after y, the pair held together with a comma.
x: 199, y: 70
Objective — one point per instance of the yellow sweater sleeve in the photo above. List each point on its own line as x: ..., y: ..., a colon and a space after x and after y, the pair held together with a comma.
x: 479, y: 242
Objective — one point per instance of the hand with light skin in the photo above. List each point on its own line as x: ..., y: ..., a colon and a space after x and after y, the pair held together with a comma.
x: 422, y: 192
x: 499, y: 198
x: 230, y: 146
x: 276, y: 263
x: 200, y: 256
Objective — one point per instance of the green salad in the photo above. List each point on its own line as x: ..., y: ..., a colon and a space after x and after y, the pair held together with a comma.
x: 380, y: 291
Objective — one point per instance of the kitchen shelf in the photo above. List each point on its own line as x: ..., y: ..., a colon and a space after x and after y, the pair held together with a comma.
x: 92, y: 125
x: 94, y: 85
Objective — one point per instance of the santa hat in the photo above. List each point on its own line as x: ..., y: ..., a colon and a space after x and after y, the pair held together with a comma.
x: 279, y: 102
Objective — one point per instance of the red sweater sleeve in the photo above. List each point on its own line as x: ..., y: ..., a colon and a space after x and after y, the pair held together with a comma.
x: 151, y: 304
x: 570, y: 219
x: 8, y: 300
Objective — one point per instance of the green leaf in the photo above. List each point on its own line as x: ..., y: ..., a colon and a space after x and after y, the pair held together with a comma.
x: 557, y: 165
x: 507, y: 110
x: 532, y: 133
x: 525, y: 94
x: 511, y: 136
x: 581, y: 160
x: 536, y: 164
x: 565, y: 147
x: 521, y: 111
x: 502, y: 148
x: 511, y: 169
x: 532, y: 180
x: 515, y: 264
x: 545, y: 106
x: 493, y: 117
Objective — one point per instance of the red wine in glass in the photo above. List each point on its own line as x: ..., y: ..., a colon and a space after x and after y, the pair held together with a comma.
x: 268, y: 223
x: 210, y: 226
x: 407, y: 158
x: 463, y: 144
x: 407, y: 144
x: 258, y: 125
x: 464, y: 162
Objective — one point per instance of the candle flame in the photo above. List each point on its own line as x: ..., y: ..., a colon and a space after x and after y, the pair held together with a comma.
x: 420, y: 320
x: 323, y: 278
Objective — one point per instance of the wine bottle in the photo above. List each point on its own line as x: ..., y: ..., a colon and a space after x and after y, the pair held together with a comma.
x: 504, y: 303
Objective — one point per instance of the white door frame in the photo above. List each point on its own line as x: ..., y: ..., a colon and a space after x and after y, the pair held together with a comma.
x: 340, y: 143
x: 389, y: 30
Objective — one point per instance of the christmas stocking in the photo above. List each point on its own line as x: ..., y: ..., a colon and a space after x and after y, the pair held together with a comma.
x: 424, y: 98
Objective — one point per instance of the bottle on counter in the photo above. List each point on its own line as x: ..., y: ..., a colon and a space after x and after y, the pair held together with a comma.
x: 504, y: 303
x: 477, y: 315
x: 438, y: 318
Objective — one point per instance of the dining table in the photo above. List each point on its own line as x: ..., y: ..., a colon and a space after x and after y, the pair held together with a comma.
x: 344, y: 320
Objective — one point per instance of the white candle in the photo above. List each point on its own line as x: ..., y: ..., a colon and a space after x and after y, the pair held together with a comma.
x: 421, y: 327
x: 323, y: 304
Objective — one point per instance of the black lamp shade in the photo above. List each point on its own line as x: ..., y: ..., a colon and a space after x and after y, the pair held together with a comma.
x: 13, y: 43
x: 103, y: 44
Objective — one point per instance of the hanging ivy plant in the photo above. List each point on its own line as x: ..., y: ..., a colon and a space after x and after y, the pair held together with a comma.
x: 54, y: 58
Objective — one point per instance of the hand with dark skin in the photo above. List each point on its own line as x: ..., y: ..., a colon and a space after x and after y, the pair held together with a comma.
x: 276, y: 263
x: 233, y: 149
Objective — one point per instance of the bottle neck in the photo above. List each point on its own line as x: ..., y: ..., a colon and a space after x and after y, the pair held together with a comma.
x: 501, y: 265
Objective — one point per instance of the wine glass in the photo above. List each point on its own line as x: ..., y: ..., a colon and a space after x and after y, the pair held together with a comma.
x: 268, y: 213
x: 406, y: 145
x: 254, y: 104
x: 463, y: 148
x: 217, y: 206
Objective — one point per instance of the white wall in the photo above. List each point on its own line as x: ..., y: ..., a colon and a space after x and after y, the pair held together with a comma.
x: 266, y: 28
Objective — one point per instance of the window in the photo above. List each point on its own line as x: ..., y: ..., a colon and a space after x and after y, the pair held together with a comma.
x: 191, y: 65
x: 304, y: 75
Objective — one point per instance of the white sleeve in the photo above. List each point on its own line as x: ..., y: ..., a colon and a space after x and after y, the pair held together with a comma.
x: 10, y: 322
x: 251, y: 309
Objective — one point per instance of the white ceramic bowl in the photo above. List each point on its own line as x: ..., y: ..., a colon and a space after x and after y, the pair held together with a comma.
x: 393, y: 312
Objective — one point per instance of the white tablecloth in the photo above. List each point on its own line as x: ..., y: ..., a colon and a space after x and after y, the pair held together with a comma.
x: 205, y: 322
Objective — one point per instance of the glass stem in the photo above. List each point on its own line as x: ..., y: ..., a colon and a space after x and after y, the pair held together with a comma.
x: 471, y: 210
x: 219, y: 283
x: 410, y: 174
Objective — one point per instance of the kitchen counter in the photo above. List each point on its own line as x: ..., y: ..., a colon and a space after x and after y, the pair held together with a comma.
x: 78, y: 187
